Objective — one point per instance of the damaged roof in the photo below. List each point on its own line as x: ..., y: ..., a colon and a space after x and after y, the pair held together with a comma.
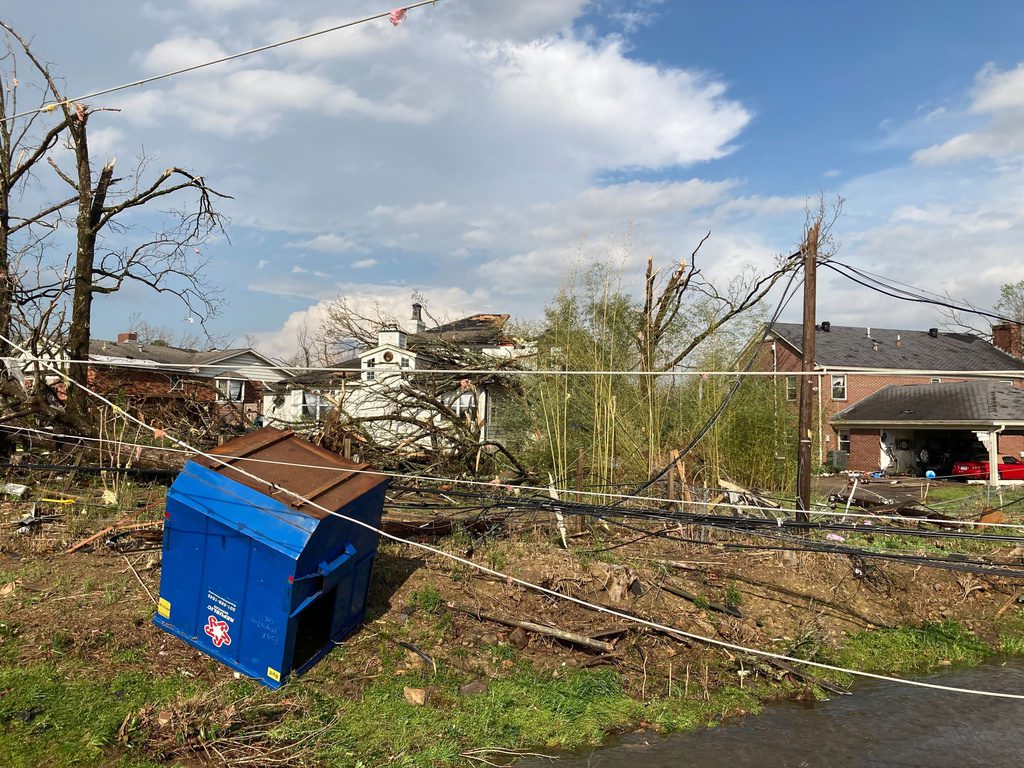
x: 851, y: 347
x: 966, y: 403
x: 476, y: 329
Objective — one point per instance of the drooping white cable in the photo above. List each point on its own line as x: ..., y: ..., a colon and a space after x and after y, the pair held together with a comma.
x: 537, y: 587
x: 260, y: 49
x: 603, y: 495
x: 145, y: 365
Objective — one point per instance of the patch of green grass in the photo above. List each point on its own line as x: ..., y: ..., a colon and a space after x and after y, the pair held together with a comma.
x: 907, y: 649
x: 1011, y: 633
x: 427, y: 599
x: 528, y: 709
x: 72, y: 719
x: 733, y: 597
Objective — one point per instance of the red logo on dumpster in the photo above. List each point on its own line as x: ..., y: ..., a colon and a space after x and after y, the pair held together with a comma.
x: 218, y: 631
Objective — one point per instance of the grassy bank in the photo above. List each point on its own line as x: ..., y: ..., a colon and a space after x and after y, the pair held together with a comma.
x: 64, y: 712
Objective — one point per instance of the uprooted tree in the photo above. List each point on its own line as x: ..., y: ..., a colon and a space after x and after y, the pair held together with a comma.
x: 46, y: 298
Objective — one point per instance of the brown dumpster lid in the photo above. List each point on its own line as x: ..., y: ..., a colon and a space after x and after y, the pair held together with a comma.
x: 323, y: 477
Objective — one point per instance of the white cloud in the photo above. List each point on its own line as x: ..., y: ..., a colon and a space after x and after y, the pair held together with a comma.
x: 224, y: 6
x: 180, y: 52
x: 256, y: 101
x: 416, y: 214
x: 262, y: 264
x: 297, y: 270
x: 621, y: 112
x: 105, y: 142
x: 999, y: 96
x: 364, y: 263
x: 328, y: 243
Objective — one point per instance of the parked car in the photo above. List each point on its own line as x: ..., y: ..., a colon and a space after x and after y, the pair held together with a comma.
x: 1010, y: 468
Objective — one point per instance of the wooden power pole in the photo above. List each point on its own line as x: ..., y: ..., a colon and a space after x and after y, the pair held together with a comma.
x: 803, y: 454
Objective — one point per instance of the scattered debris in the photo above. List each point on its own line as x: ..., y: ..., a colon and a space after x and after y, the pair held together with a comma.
x: 14, y: 489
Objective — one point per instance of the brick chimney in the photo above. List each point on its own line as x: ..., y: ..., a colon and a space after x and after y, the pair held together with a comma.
x: 1007, y: 337
x: 123, y: 337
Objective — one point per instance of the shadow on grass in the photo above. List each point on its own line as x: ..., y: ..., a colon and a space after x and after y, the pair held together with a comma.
x: 390, y: 572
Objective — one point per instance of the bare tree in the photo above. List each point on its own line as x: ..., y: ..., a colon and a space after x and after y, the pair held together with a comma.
x: 167, y: 261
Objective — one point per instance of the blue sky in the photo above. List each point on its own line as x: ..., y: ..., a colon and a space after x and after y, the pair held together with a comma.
x: 480, y: 150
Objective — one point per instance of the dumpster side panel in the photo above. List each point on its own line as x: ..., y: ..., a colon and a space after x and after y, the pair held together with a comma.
x: 181, y: 572
x: 265, y: 620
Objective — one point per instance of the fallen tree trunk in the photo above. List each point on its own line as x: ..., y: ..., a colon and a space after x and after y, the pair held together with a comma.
x: 541, y: 629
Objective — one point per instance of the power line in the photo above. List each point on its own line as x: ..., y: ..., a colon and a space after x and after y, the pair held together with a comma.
x: 260, y: 49
x: 541, y: 491
x: 382, y: 372
x: 861, y: 278
x: 537, y: 587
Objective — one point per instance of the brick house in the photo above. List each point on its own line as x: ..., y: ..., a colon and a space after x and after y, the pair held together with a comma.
x: 850, y: 364
x: 232, y: 381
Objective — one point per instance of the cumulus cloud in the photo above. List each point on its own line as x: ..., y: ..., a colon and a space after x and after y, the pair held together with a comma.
x: 364, y: 263
x: 621, y: 112
x: 998, y: 96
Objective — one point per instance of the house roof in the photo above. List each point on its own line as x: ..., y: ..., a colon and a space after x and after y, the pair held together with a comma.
x: 851, y: 347
x: 476, y: 329
x: 953, y: 403
x: 100, y: 349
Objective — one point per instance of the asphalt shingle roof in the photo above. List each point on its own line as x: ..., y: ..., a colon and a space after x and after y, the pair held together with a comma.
x: 984, y: 402
x: 851, y: 347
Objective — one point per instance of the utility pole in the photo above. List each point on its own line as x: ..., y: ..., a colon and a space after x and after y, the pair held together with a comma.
x: 806, y: 402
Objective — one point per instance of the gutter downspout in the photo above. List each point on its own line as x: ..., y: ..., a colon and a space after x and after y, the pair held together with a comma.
x: 821, y: 434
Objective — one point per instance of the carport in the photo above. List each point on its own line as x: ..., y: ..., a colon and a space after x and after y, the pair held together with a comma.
x: 914, y: 428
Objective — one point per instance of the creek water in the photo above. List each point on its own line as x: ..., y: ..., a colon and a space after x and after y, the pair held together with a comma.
x: 882, y: 724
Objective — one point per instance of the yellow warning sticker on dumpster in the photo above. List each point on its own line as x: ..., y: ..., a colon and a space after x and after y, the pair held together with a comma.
x: 274, y: 675
x: 164, y: 608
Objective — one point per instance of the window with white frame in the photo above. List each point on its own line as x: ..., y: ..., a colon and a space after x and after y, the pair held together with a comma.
x: 230, y: 390
x: 839, y: 386
x: 370, y: 373
x: 315, y: 406
x: 405, y: 362
x: 791, y: 387
x: 844, y: 440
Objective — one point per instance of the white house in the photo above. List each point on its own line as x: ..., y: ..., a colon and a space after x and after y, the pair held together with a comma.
x: 370, y: 384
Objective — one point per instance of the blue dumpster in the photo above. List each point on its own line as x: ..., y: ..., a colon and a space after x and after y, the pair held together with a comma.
x: 255, y: 579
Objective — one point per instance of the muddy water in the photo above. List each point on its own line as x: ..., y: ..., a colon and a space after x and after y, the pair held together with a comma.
x: 883, y: 724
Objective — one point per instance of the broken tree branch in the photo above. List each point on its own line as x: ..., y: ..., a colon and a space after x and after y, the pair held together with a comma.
x: 541, y: 629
